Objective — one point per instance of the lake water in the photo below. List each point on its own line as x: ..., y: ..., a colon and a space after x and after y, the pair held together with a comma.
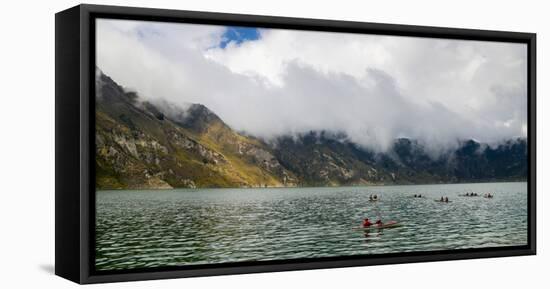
x: 141, y: 229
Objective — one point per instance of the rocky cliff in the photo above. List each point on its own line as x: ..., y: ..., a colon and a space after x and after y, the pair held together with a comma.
x: 141, y: 144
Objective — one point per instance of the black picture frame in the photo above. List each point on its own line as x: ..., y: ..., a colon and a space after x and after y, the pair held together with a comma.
x: 75, y: 127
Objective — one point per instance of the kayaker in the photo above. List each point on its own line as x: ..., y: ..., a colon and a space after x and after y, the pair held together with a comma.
x: 378, y: 222
x: 366, y: 223
x: 446, y: 200
x: 442, y: 199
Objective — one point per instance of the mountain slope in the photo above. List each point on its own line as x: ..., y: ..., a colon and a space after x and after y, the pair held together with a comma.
x: 319, y: 159
x: 138, y: 146
x: 157, y: 145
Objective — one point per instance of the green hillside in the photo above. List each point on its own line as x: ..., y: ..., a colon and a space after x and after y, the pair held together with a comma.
x: 158, y: 145
x: 137, y: 146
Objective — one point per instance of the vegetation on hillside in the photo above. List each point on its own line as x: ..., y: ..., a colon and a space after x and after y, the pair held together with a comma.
x: 145, y: 145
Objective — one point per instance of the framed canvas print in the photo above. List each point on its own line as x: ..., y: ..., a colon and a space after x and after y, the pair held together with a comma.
x: 193, y: 144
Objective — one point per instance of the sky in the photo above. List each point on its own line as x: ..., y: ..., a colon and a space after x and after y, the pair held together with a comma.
x: 373, y: 88
x: 238, y: 35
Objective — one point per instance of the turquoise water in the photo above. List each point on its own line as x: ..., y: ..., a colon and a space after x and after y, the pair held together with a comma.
x: 142, y: 229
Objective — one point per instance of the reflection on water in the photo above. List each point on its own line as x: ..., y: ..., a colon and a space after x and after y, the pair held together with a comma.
x: 139, y: 229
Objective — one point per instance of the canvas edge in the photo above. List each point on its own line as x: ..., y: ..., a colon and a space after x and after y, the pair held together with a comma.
x: 67, y: 144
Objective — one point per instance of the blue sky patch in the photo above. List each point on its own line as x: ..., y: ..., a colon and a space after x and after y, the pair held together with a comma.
x: 239, y: 35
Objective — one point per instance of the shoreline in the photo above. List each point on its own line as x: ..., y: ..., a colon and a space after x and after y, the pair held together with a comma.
x: 310, y: 187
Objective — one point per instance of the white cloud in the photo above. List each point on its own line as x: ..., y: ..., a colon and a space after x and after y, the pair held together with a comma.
x: 373, y: 88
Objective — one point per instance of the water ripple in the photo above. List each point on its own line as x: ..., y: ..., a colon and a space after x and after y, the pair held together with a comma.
x: 144, y: 229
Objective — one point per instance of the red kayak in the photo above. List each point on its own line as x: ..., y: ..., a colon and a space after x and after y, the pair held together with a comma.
x: 390, y: 224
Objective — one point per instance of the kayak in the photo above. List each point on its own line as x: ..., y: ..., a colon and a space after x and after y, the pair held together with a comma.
x: 374, y: 200
x: 390, y: 224
x: 439, y: 201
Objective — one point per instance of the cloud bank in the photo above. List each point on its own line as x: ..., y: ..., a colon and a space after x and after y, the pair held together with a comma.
x: 287, y: 82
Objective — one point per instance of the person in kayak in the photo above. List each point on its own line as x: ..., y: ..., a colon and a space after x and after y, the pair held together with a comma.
x: 446, y: 200
x: 366, y: 223
x: 442, y: 199
x: 378, y: 222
